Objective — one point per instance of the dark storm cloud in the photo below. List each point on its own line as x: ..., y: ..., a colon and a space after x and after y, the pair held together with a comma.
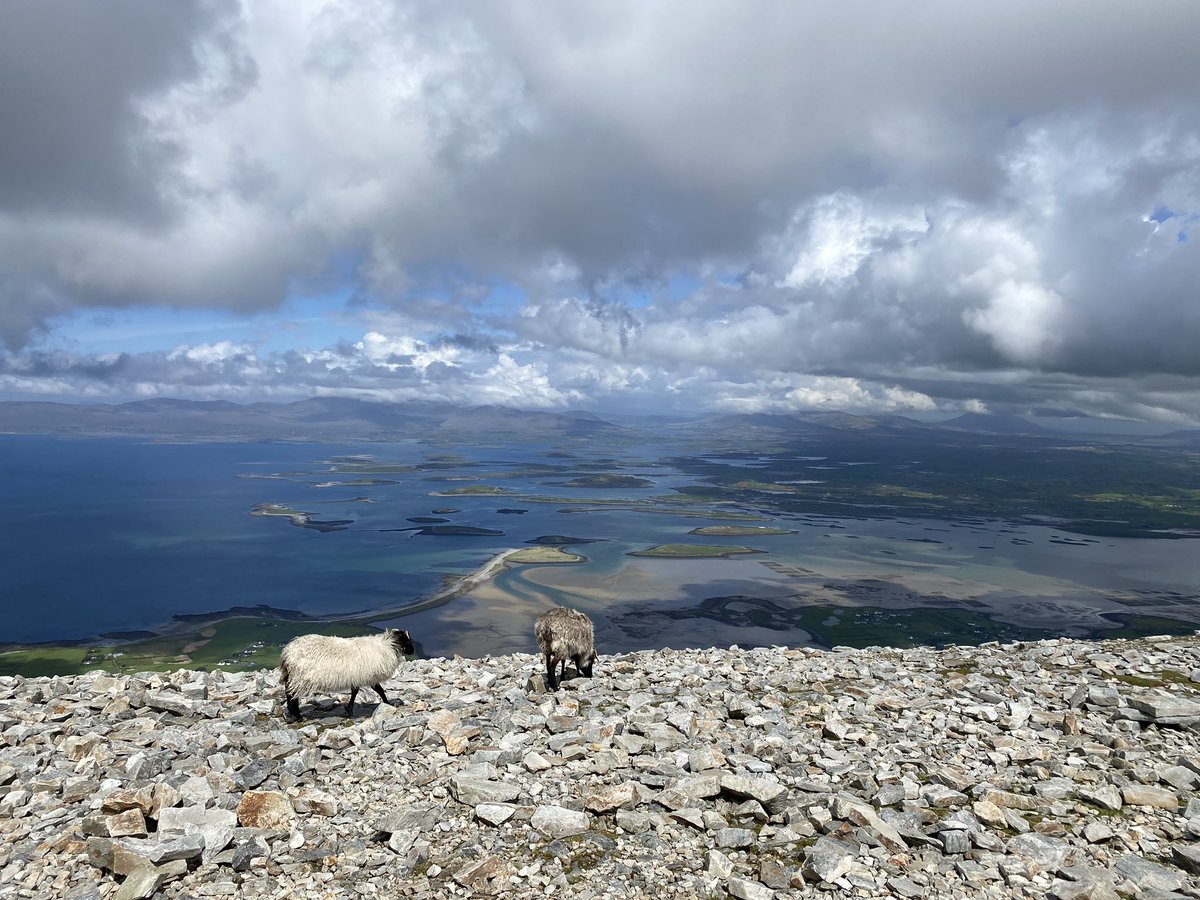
x: 874, y: 189
x: 73, y: 73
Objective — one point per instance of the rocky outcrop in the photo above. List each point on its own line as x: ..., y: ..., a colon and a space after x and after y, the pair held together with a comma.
x: 1057, y: 769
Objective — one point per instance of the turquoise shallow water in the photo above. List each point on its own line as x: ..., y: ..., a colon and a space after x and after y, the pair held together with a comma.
x: 115, y: 535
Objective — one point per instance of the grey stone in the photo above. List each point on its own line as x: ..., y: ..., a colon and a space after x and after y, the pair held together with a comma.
x: 473, y: 791
x: 828, y: 859
x: 1148, y: 875
x: 1103, y: 695
x: 955, y: 841
x: 1097, y: 832
x: 1092, y: 888
x: 775, y: 875
x: 1181, y: 778
x: 1168, y: 709
x: 607, y: 800
x: 728, y: 838
x: 770, y: 794
x: 744, y: 889
x: 141, y: 883
x: 1042, y: 853
x: 415, y: 816
x: 717, y: 864
x: 494, y: 813
x: 156, y: 852
x: 254, y: 773
x: 558, y: 822
x: 171, y: 702
x: 902, y: 886
x: 1149, y: 795
x: 1187, y: 857
x: 1104, y: 796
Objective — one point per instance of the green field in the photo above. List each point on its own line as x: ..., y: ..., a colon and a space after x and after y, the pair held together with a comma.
x: 234, y: 644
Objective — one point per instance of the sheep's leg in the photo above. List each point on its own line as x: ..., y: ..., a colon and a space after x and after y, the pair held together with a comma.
x: 562, y: 675
x: 350, y: 705
x: 378, y: 688
x: 551, y: 665
x: 293, y: 702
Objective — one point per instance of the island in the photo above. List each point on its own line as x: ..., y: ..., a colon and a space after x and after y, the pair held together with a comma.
x: 454, y: 530
x: 692, y: 551
x: 471, y: 489
x: 739, y: 530
x: 355, y: 482
x: 559, y: 539
x: 300, y: 518
x: 545, y: 556
x: 606, y: 481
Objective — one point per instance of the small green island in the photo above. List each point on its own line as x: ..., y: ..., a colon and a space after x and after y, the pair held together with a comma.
x: 739, y: 530
x: 299, y: 518
x: 544, y: 556
x: 607, y: 481
x: 692, y: 551
x: 355, y: 482
x: 560, y: 539
x: 483, y: 490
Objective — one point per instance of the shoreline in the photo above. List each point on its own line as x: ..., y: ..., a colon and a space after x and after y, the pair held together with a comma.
x: 645, y: 603
x: 191, y: 625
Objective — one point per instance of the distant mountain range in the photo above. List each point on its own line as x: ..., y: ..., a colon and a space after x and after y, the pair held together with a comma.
x: 338, y: 418
x: 321, y: 418
x: 995, y: 424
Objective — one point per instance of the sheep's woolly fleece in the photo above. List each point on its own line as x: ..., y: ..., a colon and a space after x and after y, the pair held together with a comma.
x: 564, y: 633
x: 318, y: 663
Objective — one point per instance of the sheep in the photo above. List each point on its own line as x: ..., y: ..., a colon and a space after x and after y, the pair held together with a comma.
x: 313, y: 663
x: 564, y: 634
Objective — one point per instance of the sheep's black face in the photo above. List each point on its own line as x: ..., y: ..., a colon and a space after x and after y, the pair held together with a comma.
x: 401, y: 641
x: 584, y: 665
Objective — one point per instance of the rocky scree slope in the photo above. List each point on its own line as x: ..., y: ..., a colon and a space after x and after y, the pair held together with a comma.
x: 1061, y: 768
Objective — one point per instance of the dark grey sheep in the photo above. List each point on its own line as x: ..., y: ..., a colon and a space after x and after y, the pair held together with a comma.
x: 564, y: 634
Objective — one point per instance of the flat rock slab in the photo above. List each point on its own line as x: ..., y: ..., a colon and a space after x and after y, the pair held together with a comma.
x: 557, y: 822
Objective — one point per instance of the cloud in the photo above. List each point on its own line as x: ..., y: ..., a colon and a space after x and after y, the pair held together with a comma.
x: 877, y: 194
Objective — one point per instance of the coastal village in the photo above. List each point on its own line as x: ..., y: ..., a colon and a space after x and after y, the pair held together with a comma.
x: 1062, y: 769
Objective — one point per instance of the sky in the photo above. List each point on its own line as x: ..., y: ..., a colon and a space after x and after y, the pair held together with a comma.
x: 683, y: 206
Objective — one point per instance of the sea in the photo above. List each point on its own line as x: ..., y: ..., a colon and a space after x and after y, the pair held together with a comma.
x: 115, y: 535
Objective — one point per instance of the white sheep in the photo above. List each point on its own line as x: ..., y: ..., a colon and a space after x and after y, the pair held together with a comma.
x: 564, y: 634
x: 320, y: 663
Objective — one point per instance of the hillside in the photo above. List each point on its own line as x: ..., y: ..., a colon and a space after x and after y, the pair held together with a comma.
x: 1061, y: 769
